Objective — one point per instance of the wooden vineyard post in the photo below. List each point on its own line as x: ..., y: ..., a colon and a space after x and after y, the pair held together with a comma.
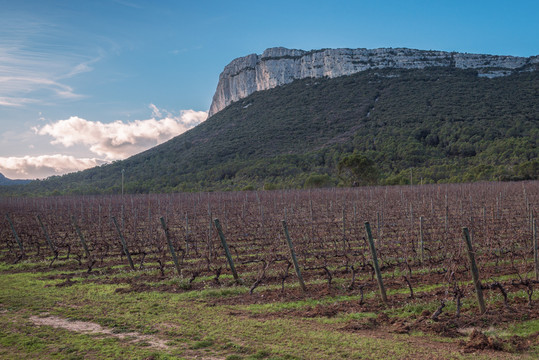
x: 421, y: 244
x: 186, y: 233
x: 378, y: 228
x: 19, y: 242
x: 375, y: 263
x: 446, y: 215
x: 343, y: 222
x: 227, y: 251
x: 535, y: 249
x: 170, y: 246
x: 474, y: 271
x: 81, y: 237
x: 294, y: 259
x: 411, y: 218
x: 49, y: 241
x: 210, y: 241
x: 532, y: 219
x: 124, y: 244
x: 123, y: 216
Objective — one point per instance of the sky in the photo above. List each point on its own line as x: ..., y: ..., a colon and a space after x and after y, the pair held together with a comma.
x: 87, y: 82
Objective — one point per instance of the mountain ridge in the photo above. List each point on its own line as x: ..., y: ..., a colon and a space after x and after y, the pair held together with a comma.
x: 278, y: 66
x: 5, y: 181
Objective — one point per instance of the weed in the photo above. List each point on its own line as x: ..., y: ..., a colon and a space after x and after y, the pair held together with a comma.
x: 234, y: 357
x: 202, y: 344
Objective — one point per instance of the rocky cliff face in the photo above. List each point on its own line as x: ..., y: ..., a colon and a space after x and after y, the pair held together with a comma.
x: 278, y: 66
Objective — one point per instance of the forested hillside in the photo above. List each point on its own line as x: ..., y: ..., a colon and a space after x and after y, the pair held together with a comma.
x: 375, y: 127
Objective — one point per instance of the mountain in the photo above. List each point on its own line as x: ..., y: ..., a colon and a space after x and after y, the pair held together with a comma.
x: 5, y: 181
x: 279, y: 66
x: 376, y: 126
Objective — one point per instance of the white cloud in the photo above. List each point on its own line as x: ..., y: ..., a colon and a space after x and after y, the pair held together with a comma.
x: 32, y: 69
x: 84, y: 66
x: 156, y: 113
x: 15, y: 101
x: 21, y: 77
x: 32, y: 167
x: 119, y: 140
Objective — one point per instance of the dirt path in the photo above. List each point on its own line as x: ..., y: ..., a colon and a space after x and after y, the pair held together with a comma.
x: 93, y: 328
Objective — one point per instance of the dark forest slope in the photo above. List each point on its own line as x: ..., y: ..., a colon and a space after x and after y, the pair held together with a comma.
x: 9, y: 182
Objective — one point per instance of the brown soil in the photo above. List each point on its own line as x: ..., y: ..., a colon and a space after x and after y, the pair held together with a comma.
x: 446, y: 325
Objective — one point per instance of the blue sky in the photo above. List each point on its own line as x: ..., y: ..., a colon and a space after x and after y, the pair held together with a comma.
x: 83, y: 82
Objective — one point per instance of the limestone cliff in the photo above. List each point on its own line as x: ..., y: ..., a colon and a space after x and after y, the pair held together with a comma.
x: 278, y: 66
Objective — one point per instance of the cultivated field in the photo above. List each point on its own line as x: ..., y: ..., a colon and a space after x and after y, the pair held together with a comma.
x: 383, y: 272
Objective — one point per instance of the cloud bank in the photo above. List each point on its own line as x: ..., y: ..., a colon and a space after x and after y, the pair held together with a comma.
x: 32, y: 167
x: 118, y: 140
x: 106, y: 141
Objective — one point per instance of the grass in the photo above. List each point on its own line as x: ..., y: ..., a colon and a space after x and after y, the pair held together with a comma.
x: 525, y: 328
x: 191, y: 323
x: 19, y: 339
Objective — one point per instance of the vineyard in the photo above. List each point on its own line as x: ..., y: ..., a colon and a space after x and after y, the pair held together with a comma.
x: 469, y: 248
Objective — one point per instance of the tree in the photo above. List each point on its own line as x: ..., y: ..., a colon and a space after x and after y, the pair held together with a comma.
x: 357, y: 170
x: 318, y: 181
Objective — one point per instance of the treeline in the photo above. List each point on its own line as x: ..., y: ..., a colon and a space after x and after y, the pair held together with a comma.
x: 435, y: 125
